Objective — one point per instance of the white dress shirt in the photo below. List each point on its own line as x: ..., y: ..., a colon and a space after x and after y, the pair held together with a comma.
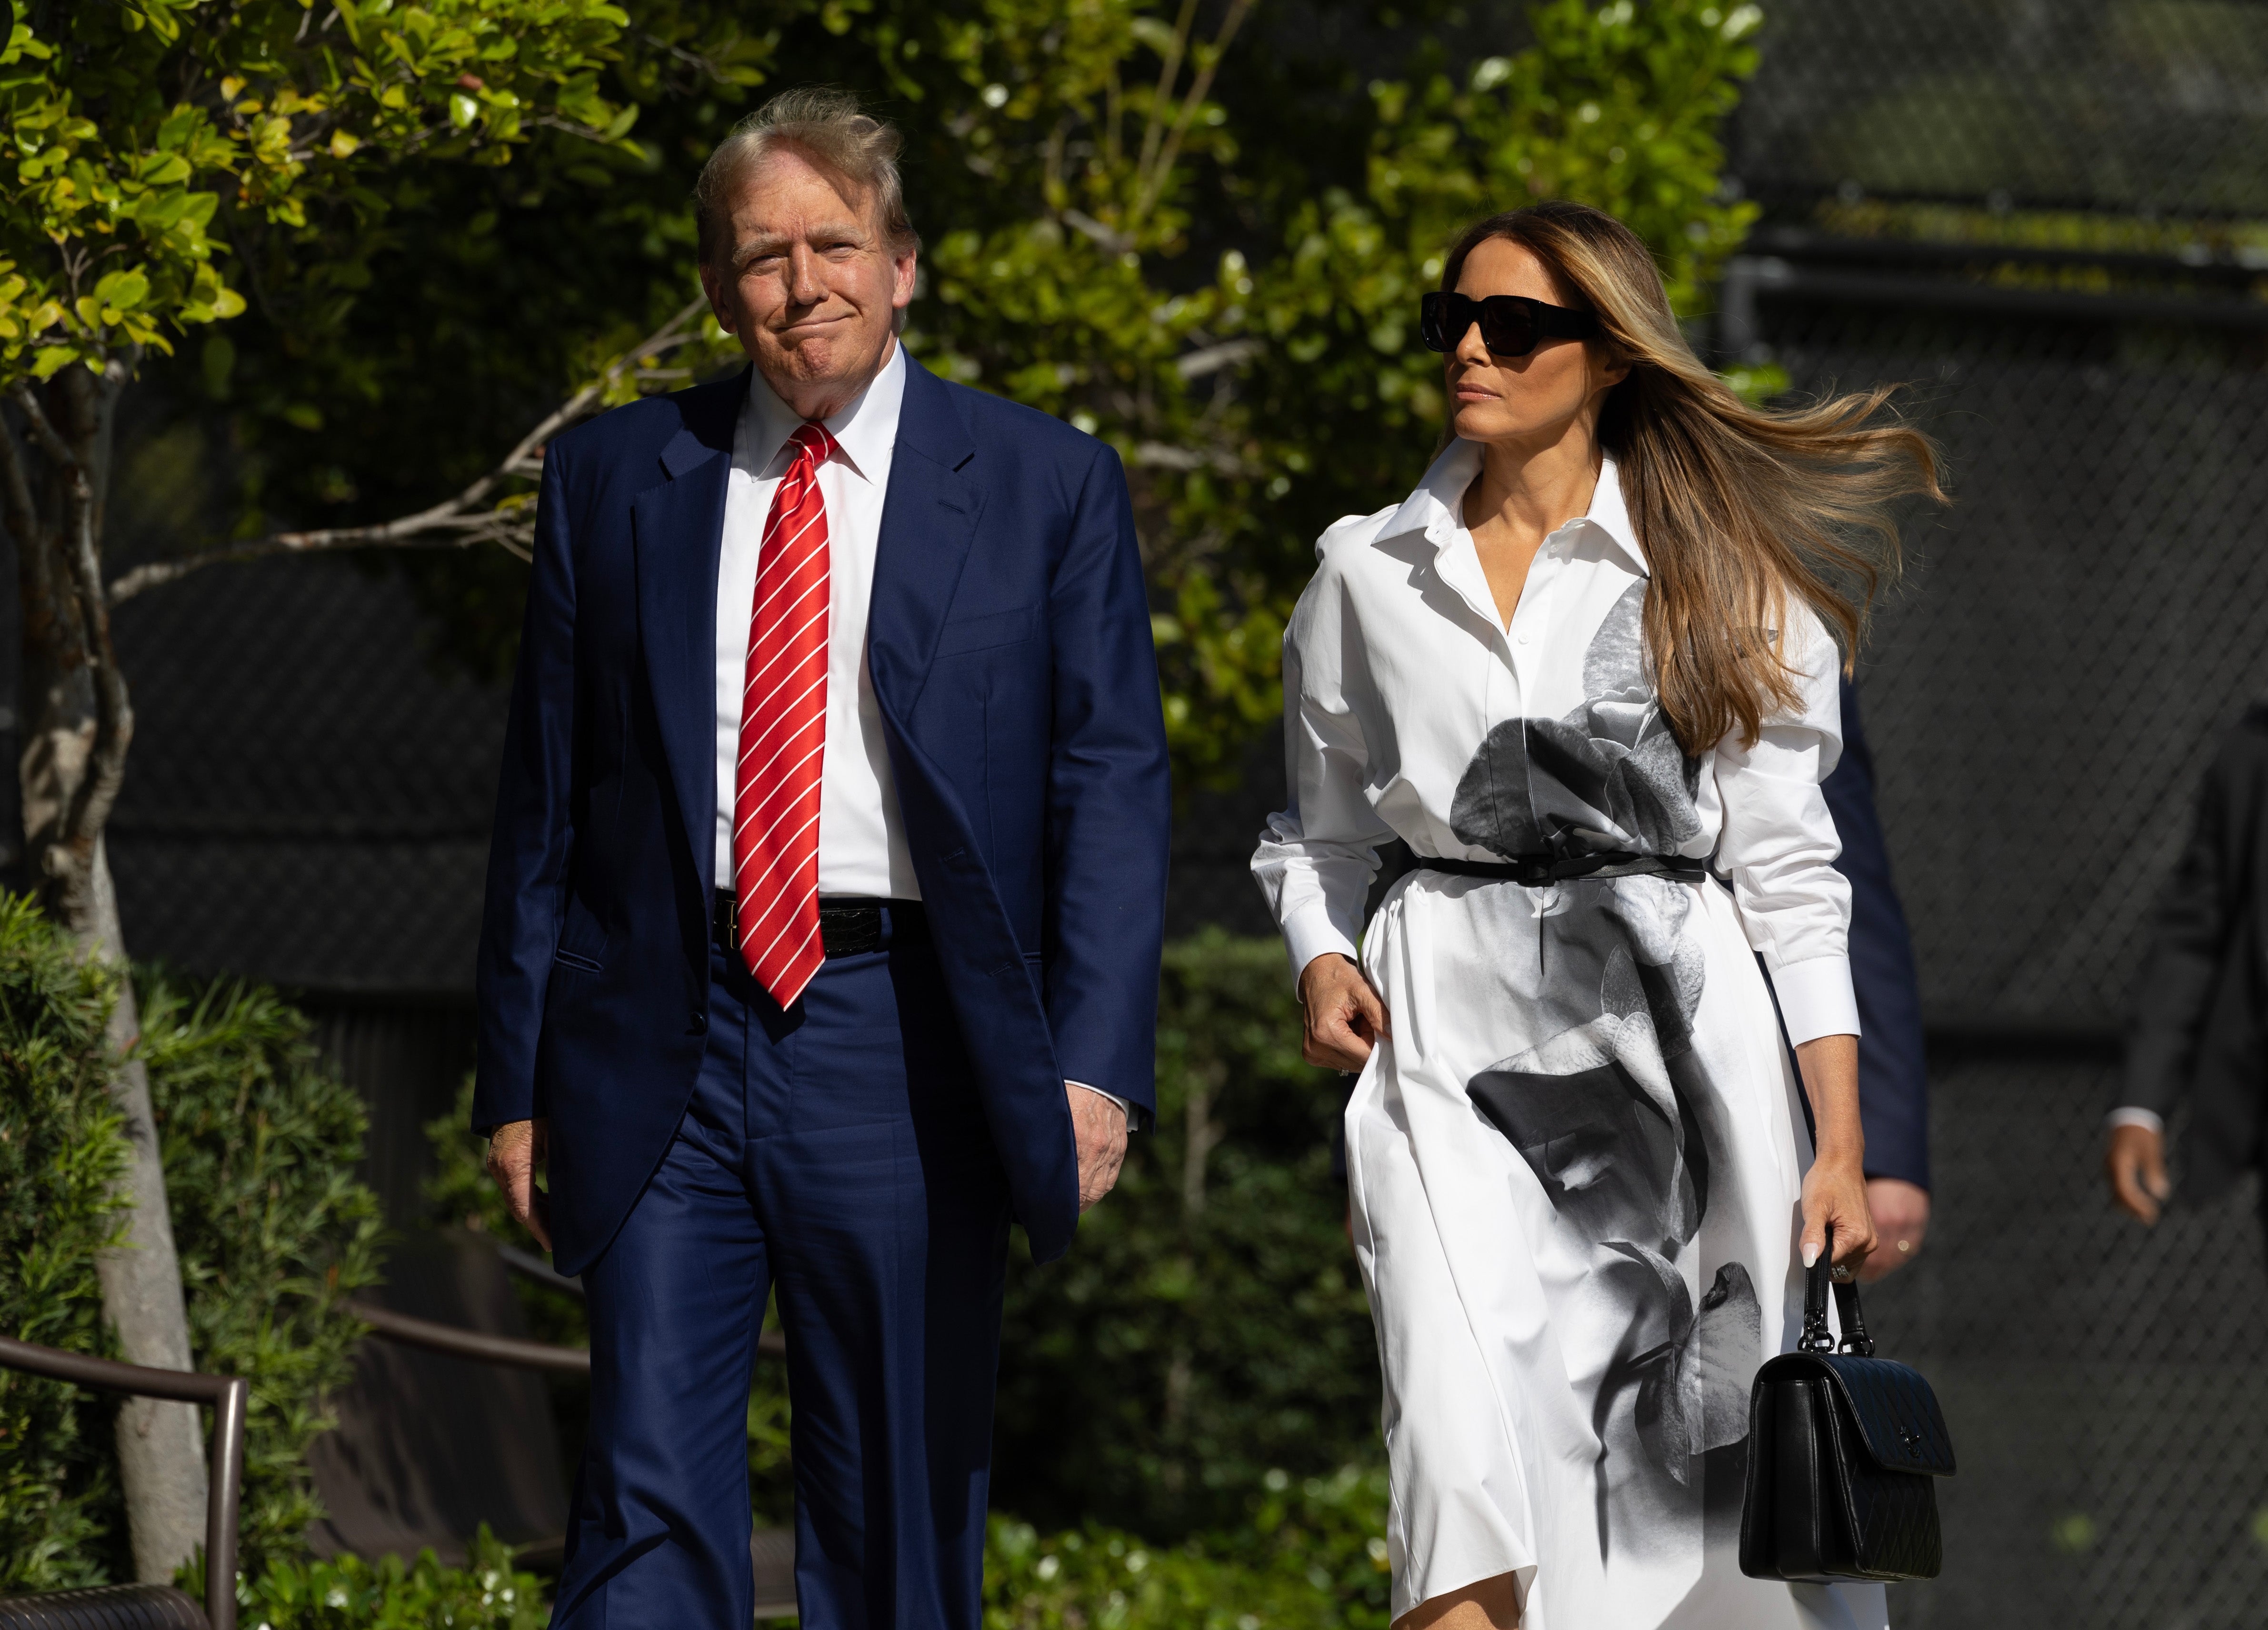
x: 862, y: 833
x: 1389, y: 693
x: 862, y: 836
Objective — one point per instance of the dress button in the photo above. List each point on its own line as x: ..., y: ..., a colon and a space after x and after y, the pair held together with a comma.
x: 700, y: 1022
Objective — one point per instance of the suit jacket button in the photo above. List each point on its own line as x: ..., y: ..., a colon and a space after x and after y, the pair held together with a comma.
x: 700, y: 1022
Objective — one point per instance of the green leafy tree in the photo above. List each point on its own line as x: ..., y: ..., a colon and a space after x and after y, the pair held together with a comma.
x: 1185, y: 228
x: 142, y: 134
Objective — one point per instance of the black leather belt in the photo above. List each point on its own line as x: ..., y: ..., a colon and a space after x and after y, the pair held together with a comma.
x: 1537, y: 869
x: 849, y: 926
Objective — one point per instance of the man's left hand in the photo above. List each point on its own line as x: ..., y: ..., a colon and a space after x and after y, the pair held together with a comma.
x: 1901, y: 1214
x: 1100, y: 1125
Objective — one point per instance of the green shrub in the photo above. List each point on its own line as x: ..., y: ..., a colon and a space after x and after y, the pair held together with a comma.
x: 273, y: 1233
x: 60, y: 1154
x: 350, y: 1594
x: 259, y: 1144
x: 1310, y: 1559
x: 1209, y: 1324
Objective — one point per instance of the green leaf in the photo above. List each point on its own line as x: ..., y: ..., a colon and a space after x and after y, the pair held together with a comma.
x: 123, y: 289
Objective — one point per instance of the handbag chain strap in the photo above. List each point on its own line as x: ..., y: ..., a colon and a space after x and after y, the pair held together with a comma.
x: 1817, y: 1337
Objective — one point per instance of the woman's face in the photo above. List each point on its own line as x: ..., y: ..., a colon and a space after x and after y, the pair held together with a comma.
x: 1533, y: 399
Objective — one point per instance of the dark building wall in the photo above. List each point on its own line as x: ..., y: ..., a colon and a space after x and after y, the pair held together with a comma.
x: 307, y: 804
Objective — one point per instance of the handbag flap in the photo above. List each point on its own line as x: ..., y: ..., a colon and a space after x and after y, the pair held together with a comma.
x: 1893, y: 1408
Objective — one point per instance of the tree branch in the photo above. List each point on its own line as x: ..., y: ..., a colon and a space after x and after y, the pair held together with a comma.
x: 1169, y: 71
x: 1153, y: 180
x: 114, y: 711
x: 457, y: 523
x: 23, y: 514
x: 51, y: 443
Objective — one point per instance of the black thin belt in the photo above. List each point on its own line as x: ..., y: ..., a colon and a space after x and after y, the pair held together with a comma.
x: 849, y: 926
x: 1537, y: 869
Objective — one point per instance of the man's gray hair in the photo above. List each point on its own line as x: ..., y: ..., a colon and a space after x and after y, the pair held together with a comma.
x: 825, y: 127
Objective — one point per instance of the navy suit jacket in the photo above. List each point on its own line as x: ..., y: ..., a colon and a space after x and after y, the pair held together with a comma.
x: 1009, y: 642
x: 1893, y: 1073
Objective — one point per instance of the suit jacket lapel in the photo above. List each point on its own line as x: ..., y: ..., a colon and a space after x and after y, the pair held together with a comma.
x: 679, y: 527
x: 929, y: 521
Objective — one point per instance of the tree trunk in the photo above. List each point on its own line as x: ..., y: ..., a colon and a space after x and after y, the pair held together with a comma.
x: 161, y: 1458
x: 79, y: 722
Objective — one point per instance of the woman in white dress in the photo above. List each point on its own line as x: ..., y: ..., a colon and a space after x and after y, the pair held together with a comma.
x: 1586, y: 671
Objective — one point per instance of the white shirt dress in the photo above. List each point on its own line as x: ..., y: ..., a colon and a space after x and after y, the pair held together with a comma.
x: 1575, y: 1164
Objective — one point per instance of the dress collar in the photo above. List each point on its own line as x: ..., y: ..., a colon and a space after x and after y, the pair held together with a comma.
x: 1437, y: 508
x: 864, y: 432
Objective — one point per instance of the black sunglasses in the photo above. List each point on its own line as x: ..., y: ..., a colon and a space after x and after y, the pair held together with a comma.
x: 1510, y: 324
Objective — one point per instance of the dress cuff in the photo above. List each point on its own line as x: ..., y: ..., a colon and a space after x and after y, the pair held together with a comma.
x: 1816, y: 998
x: 1309, y: 933
x: 2133, y: 1115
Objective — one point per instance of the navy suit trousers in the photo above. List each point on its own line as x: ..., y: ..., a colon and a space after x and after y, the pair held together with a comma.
x: 838, y: 1153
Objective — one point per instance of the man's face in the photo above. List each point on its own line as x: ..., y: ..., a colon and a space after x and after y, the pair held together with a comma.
x: 808, y: 283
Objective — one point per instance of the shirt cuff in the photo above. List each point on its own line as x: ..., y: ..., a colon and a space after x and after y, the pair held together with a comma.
x: 2132, y: 1115
x: 1309, y: 933
x: 1816, y: 998
x: 1099, y: 1093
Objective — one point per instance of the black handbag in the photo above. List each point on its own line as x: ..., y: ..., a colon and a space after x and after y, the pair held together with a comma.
x: 1844, y: 1449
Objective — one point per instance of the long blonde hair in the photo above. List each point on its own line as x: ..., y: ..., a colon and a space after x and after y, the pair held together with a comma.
x: 1736, y: 507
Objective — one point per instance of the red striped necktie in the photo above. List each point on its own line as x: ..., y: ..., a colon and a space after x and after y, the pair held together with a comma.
x: 784, y: 734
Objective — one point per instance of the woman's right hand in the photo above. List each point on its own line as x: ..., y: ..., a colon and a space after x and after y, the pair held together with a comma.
x: 1345, y: 1019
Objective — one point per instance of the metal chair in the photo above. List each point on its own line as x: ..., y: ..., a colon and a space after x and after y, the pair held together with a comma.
x: 147, y: 1607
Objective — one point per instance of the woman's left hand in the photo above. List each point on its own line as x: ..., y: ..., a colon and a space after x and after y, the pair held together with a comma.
x: 1835, y: 1188
x: 1835, y: 1193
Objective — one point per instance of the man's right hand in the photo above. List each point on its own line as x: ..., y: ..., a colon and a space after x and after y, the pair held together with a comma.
x: 516, y: 1149
x: 1344, y: 1017
x: 2135, y: 1162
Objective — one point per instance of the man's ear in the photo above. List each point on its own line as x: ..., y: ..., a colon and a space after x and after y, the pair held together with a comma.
x: 903, y: 269
x: 712, y: 285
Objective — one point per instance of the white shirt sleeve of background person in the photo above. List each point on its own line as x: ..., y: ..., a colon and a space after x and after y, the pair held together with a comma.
x: 1317, y: 857
x: 1778, y: 842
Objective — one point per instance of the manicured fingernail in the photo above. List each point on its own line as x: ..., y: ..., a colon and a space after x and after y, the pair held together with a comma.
x: 1810, y: 1255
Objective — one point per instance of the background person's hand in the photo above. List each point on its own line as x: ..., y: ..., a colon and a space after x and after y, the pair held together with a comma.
x: 517, y: 1149
x: 1099, y: 1126
x: 1901, y: 1214
x: 1343, y: 1016
x: 2134, y: 1160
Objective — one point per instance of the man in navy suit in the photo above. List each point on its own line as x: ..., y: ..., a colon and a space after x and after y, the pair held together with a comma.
x: 824, y: 909
x: 1893, y: 1073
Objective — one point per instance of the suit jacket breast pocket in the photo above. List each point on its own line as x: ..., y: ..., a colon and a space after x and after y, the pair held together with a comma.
x: 963, y: 635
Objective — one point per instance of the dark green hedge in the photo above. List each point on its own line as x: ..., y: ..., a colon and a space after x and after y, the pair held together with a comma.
x: 61, y: 1151
x: 259, y: 1146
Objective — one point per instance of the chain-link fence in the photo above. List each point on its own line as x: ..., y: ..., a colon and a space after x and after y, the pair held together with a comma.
x: 2074, y: 637
x: 2043, y: 694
